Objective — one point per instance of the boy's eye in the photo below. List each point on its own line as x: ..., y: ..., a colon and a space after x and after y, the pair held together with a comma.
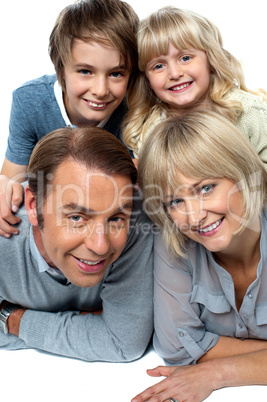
x: 117, y: 74
x: 84, y: 72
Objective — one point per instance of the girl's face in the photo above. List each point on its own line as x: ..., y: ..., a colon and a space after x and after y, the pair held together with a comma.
x: 207, y: 211
x: 181, y: 78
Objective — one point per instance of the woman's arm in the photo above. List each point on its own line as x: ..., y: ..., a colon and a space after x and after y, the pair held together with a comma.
x: 226, y: 347
x: 197, y: 382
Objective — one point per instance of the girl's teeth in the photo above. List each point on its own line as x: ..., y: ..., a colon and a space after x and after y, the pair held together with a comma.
x: 181, y: 87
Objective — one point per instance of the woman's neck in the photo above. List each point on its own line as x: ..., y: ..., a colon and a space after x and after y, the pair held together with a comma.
x: 244, y: 251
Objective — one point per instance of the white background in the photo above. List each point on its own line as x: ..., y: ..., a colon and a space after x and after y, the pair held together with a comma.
x: 26, y: 25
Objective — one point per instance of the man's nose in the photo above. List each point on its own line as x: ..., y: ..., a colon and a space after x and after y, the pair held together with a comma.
x: 97, y: 240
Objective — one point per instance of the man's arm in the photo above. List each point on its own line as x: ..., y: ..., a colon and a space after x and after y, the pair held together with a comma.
x: 123, y: 330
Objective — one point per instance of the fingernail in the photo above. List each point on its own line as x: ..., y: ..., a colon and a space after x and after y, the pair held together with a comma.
x: 14, y: 208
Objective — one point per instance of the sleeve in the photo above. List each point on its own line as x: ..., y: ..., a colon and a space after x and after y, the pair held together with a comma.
x: 123, y: 331
x: 253, y: 123
x: 22, y: 137
x: 180, y: 336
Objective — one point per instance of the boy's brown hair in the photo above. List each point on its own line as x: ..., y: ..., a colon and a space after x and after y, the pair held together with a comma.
x: 111, y: 22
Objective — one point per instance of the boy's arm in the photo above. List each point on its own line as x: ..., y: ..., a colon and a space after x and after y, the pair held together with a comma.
x: 14, y: 171
x: 11, y: 196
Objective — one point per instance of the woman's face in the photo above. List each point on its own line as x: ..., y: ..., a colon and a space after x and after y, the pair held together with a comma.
x: 207, y: 211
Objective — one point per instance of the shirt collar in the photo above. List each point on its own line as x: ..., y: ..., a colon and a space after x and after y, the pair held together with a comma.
x: 59, y: 98
x: 42, y: 264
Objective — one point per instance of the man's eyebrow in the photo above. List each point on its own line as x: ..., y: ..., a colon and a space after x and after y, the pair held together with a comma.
x: 88, y: 211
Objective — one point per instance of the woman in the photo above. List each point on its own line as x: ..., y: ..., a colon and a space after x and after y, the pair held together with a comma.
x: 205, y: 187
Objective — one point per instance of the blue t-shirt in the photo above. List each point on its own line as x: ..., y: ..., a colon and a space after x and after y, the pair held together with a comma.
x: 35, y: 113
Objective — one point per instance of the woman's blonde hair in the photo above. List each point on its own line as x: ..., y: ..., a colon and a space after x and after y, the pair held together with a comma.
x: 202, y: 145
x: 185, y: 30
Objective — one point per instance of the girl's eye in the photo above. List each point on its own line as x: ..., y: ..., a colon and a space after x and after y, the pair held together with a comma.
x: 186, y: 58
x: 206, y: 189
x: 158, y: 66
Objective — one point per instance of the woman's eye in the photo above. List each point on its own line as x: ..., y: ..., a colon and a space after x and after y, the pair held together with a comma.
x: 206, y: 189
x: 174, y: 203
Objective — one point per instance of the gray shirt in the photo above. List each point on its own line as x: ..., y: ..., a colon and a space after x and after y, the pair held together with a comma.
x: 195, y: 303
x: 52, y: 321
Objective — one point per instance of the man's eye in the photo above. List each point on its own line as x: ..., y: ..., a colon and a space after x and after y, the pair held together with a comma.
x: 76, y: 218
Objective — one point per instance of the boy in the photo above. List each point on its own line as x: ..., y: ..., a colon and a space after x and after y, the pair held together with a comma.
x: 94, y: 52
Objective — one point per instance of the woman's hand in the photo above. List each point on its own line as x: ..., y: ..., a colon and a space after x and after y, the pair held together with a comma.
x: 184, y: 383
x: 11, y: 196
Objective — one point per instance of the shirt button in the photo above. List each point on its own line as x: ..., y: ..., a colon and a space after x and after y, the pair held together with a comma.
x: 240, y: 325
x: 250, y: 296
x: 181, y: 334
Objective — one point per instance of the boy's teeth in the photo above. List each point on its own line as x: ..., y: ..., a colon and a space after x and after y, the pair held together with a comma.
x: 211, y: 227
x: 97, y: 104
x: 89, y: 262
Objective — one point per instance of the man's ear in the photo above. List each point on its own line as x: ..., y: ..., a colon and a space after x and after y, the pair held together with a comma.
x: 30, y: 205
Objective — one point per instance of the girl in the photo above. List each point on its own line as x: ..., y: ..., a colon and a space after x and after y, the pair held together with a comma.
x: 183, y: 66
x: 208, y: 195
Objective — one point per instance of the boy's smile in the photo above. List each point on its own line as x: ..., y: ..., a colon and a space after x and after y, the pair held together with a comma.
x: 95, y: 84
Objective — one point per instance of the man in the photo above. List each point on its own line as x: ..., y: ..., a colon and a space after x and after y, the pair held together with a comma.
x: 77, y: 280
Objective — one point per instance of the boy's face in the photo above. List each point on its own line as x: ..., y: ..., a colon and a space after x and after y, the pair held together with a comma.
x: 95, y: 84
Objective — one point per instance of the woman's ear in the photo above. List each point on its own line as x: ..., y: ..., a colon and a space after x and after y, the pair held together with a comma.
x: 30, y: 205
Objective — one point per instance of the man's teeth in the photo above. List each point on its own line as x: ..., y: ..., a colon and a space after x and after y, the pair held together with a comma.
x: 89, y: 262
x: 97, y: 104
x: 211, y: 227
x: 181, y: 87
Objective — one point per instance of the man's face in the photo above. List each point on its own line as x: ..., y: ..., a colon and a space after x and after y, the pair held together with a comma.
x: 86, y: 221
